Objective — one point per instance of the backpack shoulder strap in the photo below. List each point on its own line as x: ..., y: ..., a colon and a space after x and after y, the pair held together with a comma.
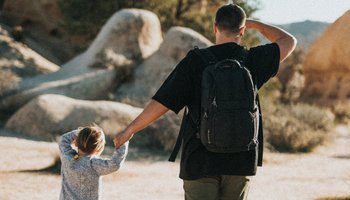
x: 243, y: 55
x: 178, y: 143
x: 206, y: 55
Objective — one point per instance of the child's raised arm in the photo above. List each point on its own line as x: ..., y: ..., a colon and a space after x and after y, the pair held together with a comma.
x: 66, y: 141
x: 107, y: 166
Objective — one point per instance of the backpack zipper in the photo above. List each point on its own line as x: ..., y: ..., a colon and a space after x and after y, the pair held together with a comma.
x: 208, y: 137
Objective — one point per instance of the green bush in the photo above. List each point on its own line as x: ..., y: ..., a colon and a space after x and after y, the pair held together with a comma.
x: 296, y: 128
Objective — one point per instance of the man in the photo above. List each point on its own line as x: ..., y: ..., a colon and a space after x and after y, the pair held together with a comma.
x: 208, y: 175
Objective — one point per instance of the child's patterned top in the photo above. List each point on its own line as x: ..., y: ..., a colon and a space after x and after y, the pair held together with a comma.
x: 81, y: 177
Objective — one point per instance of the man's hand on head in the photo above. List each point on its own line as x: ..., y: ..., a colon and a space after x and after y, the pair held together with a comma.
x: 285, y: 41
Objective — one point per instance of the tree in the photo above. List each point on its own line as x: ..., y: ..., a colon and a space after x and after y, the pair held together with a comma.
x: 84, y: 18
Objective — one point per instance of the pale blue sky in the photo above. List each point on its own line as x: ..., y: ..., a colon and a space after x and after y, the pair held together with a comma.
x: 287, y: 11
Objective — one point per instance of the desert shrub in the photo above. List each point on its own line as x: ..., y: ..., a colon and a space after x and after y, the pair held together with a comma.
x: 297, y: 128
x: 342, y: 112
x: 8, y: 80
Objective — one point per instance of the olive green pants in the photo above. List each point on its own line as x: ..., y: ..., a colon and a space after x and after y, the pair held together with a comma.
x: 217, y: 188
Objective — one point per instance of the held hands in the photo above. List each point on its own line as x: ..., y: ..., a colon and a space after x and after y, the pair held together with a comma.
x: 121, y: 138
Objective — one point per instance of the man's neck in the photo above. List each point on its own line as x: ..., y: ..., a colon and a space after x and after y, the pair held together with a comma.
x: 226, y: 40
x: 221, y: 39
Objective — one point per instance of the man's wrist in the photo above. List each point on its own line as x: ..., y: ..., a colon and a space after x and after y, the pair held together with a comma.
x: 129, y: 131
x: 252, y: 24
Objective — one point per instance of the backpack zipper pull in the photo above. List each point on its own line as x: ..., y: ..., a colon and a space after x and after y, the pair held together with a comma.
x: 214, y: 102
x: 254, y: 142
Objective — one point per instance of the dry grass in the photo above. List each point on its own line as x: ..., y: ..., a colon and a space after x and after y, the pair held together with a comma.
x: 297, y: 128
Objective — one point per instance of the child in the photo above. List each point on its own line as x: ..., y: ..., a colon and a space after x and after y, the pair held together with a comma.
x: 81, y: 170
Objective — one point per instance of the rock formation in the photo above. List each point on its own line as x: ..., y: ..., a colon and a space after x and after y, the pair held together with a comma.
x: 149, y: 76
x: 327, y: 65
x: 43, y: 15
x: 42, y: 20
x: 18, y: 61
x: 128, y: 36
x: 50, y: 114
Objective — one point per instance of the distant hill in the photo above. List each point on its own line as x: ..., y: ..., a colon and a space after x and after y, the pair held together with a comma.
x: 306, y: 32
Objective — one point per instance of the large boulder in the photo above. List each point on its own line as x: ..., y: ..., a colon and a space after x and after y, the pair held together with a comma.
x: 18, y: 61
x: 23, y: 154
x: 129, y: 36
x: 43, y: 15
x: 49, y: 115
x: 42, y: 20
x: 327, y: 65
x: 150, y: 74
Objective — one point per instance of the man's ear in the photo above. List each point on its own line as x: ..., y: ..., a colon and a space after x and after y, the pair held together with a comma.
x: 241, y: 31
x: 215, y: 28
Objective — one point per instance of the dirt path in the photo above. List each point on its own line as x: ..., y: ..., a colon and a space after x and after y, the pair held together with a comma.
x: 321, y: 175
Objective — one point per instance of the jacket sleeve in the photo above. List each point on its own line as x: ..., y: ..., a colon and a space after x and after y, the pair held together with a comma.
x: 107, y: 166
x: 66, y: 141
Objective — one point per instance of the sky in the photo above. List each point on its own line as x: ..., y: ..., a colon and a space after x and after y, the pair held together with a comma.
x: 288, y: 11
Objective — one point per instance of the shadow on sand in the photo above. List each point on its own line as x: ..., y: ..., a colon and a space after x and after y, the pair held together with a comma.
x: 334, y: 198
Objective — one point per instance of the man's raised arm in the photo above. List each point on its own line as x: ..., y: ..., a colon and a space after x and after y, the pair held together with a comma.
x: 150, y: 113
x: 284, y: 40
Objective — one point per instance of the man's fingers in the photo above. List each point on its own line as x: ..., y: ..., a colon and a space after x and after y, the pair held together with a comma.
x: 117, y: 142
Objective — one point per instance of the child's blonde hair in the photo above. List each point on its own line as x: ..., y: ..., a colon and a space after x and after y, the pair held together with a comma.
x: 90, y: 139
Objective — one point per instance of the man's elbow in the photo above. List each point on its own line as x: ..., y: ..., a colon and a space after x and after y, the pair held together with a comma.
x: 287, y: 46
x: 293, y: 42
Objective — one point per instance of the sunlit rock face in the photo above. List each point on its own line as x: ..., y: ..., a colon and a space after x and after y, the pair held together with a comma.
x: 327, y: 65
x: 127, y: 38
x: 51, y: 114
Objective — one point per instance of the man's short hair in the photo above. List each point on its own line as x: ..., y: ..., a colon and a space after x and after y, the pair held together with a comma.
x: 230, y: 18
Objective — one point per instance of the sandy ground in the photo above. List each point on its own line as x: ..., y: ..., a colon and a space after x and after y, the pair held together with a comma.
x: 324, y: 174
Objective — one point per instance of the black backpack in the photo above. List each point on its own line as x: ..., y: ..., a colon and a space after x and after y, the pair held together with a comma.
x: 228, y: 120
